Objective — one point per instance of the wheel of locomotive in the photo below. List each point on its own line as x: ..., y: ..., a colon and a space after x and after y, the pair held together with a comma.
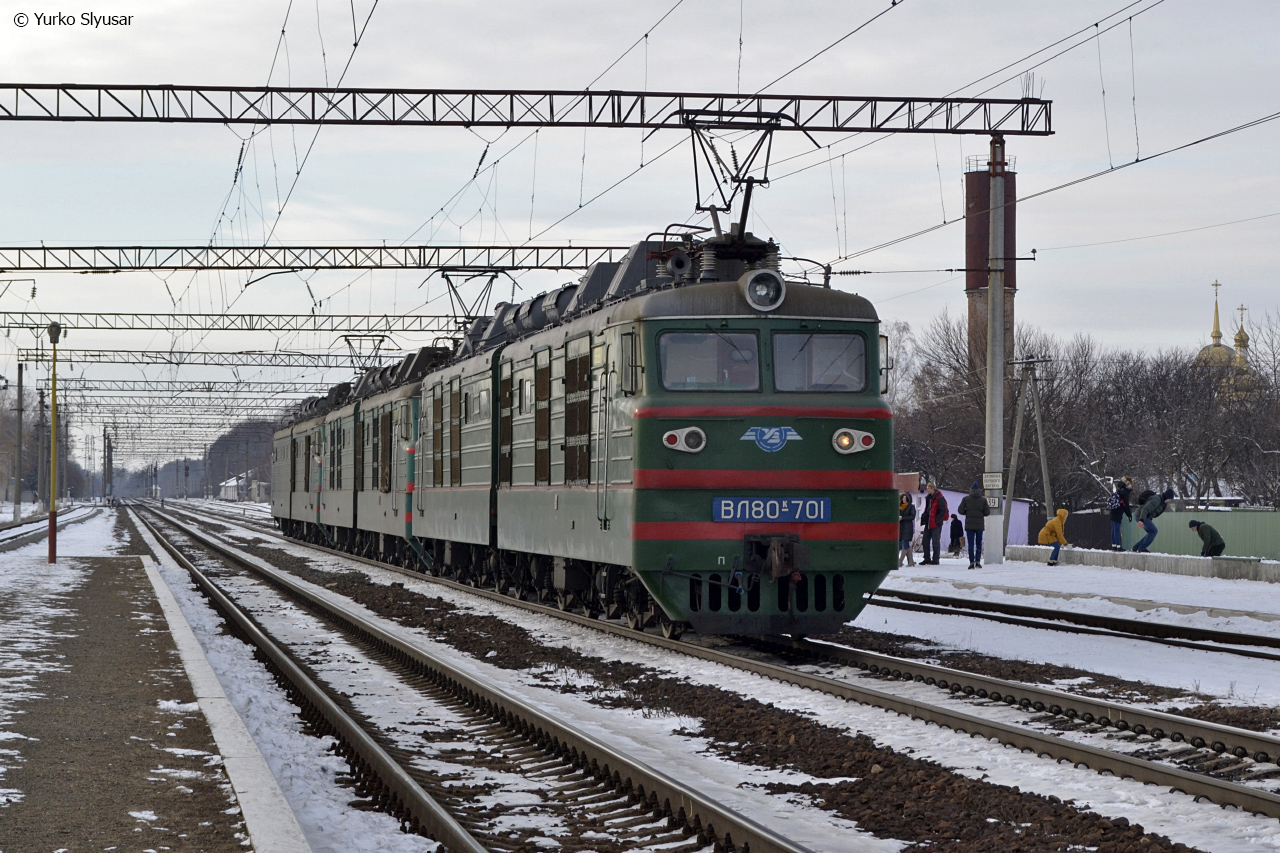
x: 564, y: 600
x: 501, y: 585
x: 635, y: 619
x: 670, y: 628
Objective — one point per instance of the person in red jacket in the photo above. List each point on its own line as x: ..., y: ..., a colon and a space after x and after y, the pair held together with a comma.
x: 935, y: 515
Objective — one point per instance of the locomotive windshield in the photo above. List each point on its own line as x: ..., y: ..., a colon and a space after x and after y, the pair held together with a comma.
x: 819, y: 362
x: 710, y: 361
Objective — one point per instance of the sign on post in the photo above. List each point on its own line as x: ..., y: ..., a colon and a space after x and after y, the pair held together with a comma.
x: 994, y: 503
x: 993, y: 480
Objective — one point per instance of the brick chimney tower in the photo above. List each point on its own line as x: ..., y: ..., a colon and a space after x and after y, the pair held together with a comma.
x: 977, y: 200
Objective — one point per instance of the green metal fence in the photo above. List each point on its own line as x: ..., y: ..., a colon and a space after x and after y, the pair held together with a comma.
x: 1248, y: 533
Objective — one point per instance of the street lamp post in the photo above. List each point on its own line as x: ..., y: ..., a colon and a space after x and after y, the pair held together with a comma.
x: 55, y: 331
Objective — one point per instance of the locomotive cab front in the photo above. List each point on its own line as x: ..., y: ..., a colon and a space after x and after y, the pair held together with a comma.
x: 764, y: 498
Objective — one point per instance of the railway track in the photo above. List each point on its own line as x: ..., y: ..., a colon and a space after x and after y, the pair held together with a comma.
x: 562, y: 775
x: 1181, y: 636
x: 1222, y: 764
x: 26, y: 532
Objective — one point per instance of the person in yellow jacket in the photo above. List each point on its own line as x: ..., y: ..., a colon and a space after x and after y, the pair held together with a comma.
x: 1054, y: 533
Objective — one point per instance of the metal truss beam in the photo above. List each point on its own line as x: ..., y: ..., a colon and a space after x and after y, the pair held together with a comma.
x: 86, y: 387
x: 139, y: 403
x: 103, y: 259
x: 358, y: 324
x: 522, y: 108
x: 140, y: 424
x: 251, y: 358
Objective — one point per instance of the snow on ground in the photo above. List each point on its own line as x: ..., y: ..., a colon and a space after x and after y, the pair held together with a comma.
x: 32, y: 597
x: 92, y: 538
x: 1090, y: 582
x: 1231, y: 678
x: 303, y: 766
x: 255, y: 511
x: 1199, y: 824
x: 6, y: 510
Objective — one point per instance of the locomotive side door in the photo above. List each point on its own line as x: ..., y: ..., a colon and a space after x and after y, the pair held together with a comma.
x: 455, y: 431
x: 542, y: 418
x: 577, y: 412
x: 506, y: 399
x: 437, y: 435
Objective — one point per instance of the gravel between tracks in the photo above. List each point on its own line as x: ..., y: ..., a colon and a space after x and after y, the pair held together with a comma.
x: 889, y: 794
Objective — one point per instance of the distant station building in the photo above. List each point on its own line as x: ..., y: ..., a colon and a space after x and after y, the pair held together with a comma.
x: 242, y: 488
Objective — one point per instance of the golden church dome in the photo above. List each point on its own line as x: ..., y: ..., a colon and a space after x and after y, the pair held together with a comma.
x: 1216, y: 354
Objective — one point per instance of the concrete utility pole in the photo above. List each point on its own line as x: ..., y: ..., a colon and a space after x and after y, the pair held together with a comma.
x: 17, y: 503
x: 994, y: 548
x: 54, y: 331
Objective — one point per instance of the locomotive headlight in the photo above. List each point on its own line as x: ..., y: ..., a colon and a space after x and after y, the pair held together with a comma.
x: 689, y: 439
x: 851, y: 440
x: 764, y: 290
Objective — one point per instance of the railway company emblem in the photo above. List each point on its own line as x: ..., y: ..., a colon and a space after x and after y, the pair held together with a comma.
x: 771, y: 439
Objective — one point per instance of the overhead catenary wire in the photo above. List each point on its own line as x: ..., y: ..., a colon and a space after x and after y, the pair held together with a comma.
x: 1162, y: 234
x: 1106, y: 122
x: 1108, y: 171
x: 958, y: 90
x: 1133, y: 79
x: 892, y: 5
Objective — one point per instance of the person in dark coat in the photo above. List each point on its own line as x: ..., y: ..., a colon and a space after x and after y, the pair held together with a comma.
x: 935, y: 515
x: 1214, y: 544
x: 1147, y: 513
x: 906, y: 530
x: 957, y: 535
x: 975, y: 510
x: 1118, y: 503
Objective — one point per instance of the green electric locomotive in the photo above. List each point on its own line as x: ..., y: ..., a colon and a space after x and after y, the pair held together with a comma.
x: 681, y: 439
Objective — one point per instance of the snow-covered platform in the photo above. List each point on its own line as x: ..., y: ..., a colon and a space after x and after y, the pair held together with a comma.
x: 109, y: 741
x: 1228, y: 568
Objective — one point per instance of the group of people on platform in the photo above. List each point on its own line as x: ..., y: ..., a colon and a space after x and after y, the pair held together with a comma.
x: 975, y: 509
x: 933, y: 517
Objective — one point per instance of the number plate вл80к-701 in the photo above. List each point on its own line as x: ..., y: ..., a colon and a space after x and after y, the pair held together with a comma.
x: 771, y: 509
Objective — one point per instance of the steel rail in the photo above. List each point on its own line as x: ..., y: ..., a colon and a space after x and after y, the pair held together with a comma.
x: 1199, y: 733
x: 1019, y: 614
x: 418, y: 806
x: 1104, y: 761
x: 711, y: 820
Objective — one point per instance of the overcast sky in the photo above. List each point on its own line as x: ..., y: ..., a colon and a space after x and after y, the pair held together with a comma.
x: 1177, y: 71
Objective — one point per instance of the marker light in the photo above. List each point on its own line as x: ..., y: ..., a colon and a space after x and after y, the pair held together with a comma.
x: 847, y: 440
x: 688, y: 439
